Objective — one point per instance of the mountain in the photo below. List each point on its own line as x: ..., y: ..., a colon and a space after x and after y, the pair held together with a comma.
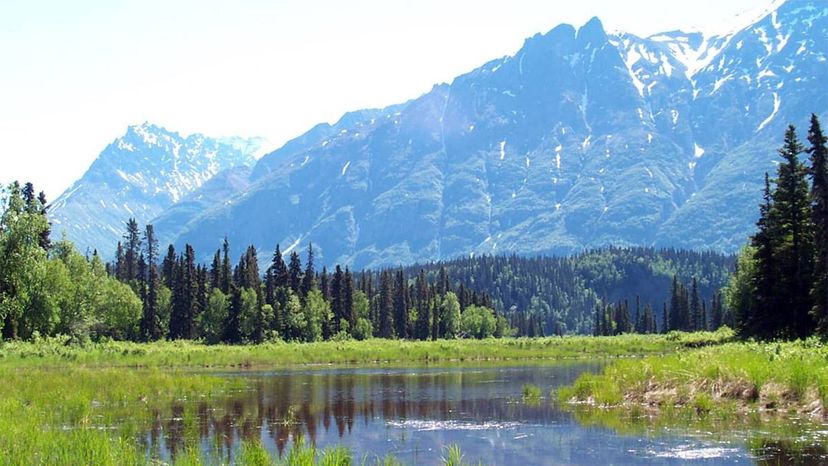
x: 226, y: 184
x: 138, y: 176
x: 579, y: 140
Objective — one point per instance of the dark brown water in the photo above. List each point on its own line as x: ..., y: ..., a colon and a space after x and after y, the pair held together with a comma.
x: 415, y: 413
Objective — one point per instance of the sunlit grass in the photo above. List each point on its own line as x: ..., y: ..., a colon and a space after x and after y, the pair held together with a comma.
x: 165, y: 354
x: 789, y: 376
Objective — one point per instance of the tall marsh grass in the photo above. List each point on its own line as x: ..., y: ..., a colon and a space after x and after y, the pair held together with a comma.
x: 790, y: 376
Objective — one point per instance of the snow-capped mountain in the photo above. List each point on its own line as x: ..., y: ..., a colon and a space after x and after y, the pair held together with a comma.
x: 139, y: 175
x: 580, y: 139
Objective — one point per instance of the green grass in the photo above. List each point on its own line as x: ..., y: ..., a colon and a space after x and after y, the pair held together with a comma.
x: 64, y: 404
x: 730, y: 378
x: 79, y: 415
x: 57, y: 351
x: 531, y: 393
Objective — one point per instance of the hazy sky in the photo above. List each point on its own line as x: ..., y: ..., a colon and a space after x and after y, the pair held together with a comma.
x: 74, y: 74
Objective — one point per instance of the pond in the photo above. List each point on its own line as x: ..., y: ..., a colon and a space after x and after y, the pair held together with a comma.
x: 415, y: 413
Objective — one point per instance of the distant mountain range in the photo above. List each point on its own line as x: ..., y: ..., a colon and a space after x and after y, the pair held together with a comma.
x: 580, y: 139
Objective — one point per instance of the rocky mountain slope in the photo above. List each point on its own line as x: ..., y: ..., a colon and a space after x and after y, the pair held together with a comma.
x: 580, y: 139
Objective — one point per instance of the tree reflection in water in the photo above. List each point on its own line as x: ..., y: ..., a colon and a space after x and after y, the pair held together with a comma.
x: 283, y: 407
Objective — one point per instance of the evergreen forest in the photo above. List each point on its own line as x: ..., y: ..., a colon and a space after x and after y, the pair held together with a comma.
x: 778, y: 290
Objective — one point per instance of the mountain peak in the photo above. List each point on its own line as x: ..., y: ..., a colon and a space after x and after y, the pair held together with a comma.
x: 139, y: 175
x: 145, y: 133
x: 592, y: 32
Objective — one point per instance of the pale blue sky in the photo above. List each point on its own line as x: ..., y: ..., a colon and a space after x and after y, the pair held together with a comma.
x: 74, y: 74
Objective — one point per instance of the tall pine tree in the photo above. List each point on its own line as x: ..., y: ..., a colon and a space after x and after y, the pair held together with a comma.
x: 795, y: 248
x: 819, y: 217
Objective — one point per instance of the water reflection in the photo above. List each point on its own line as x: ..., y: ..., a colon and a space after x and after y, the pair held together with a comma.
x: 770, y: 452
x: 325, y: 407
x: 414, y: 413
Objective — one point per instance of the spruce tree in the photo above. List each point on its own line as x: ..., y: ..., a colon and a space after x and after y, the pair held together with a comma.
x: 45, y: 240
x: 758, y: 318
x: 28, y: 193
x: 638, y: 322
x: 695, y: 308
x: 215, y: 271
x: 151, y: 329
x: 281, y: 276
x: 337, y: 302
x: 174, y: 277
x: 232, y: 327
x: 401, y: 305
x: 132, y: 242
x: 325, y: 284
x: 191, y: 276
x: 703, y: 319
x: 443, y: 285
x: 386, y: 306
x: 819, y: 216
x: 119, y: 263
x: 295, y: 273
x: 716, y: 317
x: 168, y: 268
x: 348, y: 299
x: 199, y: 296
x: 226, y: 272
x: 598, y: 326
x: 795, y: 248
x: 309, y: 279
x: 676, y: 318
x: 423, y: 324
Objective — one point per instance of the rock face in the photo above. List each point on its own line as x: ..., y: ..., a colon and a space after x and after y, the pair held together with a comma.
x: 139, y: 175
x: 578, y: 140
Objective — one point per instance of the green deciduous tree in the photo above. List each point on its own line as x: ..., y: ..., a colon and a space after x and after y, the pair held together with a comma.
x: 451, y: 315
x: 211, y: 321
x: 478, y: 322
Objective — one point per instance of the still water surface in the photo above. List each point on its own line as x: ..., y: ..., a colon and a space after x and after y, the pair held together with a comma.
x: 413, y: 413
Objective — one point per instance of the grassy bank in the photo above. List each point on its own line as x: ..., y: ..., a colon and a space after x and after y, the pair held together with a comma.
x: 65, y: 404
x: 57, y: 351
x: 724, y: 380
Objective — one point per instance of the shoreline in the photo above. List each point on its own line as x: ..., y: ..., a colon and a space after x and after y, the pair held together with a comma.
x: 767, y: 379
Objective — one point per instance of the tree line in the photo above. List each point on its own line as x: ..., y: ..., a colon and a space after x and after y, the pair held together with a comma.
x: 543, y: 296
x: 175, y: 297
x: 687, y: 312
x: 147, y: 294
x: 780, y: 288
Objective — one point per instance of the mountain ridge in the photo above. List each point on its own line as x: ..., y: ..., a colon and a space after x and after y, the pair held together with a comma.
x: 579, y: 139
